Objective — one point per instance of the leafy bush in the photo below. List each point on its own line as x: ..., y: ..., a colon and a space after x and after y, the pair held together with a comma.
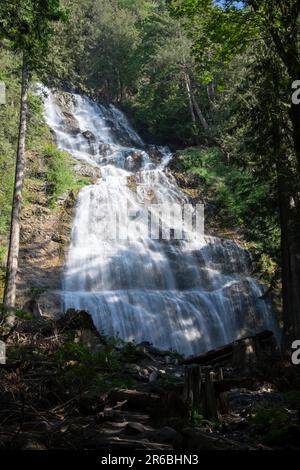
x: 79, y: 367
x: 241, y: 200
x: 60, y: 175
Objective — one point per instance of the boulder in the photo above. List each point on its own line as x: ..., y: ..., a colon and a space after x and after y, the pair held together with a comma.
x: 88, y: 135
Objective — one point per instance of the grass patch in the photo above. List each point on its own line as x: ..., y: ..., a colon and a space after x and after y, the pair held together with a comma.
x: 59, y: 174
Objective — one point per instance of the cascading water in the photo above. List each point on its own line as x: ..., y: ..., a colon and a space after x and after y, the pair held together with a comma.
x: 188, y: 295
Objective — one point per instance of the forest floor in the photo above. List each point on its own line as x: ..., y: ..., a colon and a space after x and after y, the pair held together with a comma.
x: 64, y: 386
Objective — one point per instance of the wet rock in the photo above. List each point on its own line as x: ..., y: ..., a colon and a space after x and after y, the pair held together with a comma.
x: 132, y: 183
x: 71, y: 123
x: 134, y: 161
x: 88, y: 171
x: 88, y: 135
x: 154, y: 153
x: 104, y: 149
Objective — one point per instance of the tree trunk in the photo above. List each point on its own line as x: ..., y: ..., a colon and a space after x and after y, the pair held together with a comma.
x: 295, y: 118
x: 290, y: 261
x: 290, y: 243
x: 14, y: 241
x: 193, y: 103
x: 189, y: 92
x: 200, y: 114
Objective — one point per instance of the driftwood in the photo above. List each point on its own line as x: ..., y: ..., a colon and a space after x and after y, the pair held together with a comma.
x: 205, y: 388
x: 245, y: 351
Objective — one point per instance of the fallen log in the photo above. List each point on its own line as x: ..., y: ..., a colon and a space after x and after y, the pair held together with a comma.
x: 240, y: 353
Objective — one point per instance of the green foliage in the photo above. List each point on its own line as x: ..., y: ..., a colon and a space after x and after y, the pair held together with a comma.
x: 28, y: 26
x: 131, y: 352
x: 38, y: 132
x: 24, y: 354
x: 241, y: 199
x: 59, y: 176
x: 219, y: 32
x: 199, y: 421
x: 59, y: 173
x: 23, y: 315
x: 105, y: 382
x: 9, y: 114
x: 134, y: 54
x: 73, y: 352
x: 35, y: 292
x: 167, y: 382
x: 276, y: 427
x: 79, y: 368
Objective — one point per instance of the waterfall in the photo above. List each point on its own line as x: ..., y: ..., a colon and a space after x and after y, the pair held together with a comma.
x: 188, y: 295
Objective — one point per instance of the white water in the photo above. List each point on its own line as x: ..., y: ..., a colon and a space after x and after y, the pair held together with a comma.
x: 189, y: 296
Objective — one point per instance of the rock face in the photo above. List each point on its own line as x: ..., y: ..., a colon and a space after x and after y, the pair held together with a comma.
x: 67, y: 107
x: 88, y: 135
x: 45, y: 235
